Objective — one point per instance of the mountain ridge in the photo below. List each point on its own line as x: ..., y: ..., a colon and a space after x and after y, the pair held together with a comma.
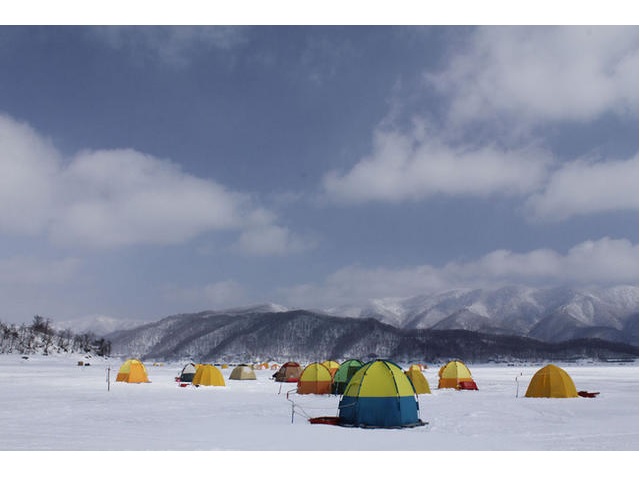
x: 415, y: 326
x: 310, y: 336
x: 511, y: 309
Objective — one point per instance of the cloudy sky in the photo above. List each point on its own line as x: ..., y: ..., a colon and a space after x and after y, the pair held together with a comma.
x: 147, y: 171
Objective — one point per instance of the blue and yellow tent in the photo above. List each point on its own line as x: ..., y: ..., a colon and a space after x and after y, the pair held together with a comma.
x: 379, y: 395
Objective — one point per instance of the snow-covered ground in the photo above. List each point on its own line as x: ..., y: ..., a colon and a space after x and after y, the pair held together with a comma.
x: 52, y: 404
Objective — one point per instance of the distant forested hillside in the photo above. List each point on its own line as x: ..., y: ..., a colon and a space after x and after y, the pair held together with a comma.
x: 311, y: 336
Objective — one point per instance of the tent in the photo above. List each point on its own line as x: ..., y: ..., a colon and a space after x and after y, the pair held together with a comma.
x: 455, y: 374
x: 208, y: 375
x: 418, y: 379
x: 343, y: 375
x: 332, y: 366
x: 551, y: 382
x: 132, y: 371
x: 289, y: 372
x: 379, y: 395
x: 243, y: 372
x: 315, y: 378
x: 187, y: 373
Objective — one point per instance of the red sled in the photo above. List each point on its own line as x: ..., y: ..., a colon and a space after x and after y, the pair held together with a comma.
x: 325, y: 420
x: 467, y: 385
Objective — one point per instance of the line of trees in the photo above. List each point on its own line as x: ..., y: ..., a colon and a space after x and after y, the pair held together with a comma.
x: 41, y: 337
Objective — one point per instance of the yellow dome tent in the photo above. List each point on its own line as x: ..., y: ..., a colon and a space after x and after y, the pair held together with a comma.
x: 455, y: 374
x: 132, y: 371
x: 332, y: 366
x: 551, y: 382
x: 315, y: 378
x: 418, y: 379
x: 208, y: 375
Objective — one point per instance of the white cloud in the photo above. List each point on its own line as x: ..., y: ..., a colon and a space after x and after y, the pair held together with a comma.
x: 582, y: 187
x: 271, y: 240
x: 354, y: 284
x: 31, y: 271
x: 513, y: 77
x: 222, y: 294
x: 28, y: 166
x: 173, y: 45
x: 601, y: 262
x: 31, y: 285
x: 604, y: 261
x: 114, y: 198
x: 123, y: 197
x: 537, y: 74
x: 416, y: 165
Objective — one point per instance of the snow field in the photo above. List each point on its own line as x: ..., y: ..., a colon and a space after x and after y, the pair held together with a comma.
x: 50, y: 404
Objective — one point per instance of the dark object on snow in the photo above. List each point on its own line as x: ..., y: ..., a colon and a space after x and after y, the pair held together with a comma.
x: 582, y: 393
x: 325, y: 420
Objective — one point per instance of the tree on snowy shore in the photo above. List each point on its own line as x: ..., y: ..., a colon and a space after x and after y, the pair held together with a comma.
x: 41, y: 338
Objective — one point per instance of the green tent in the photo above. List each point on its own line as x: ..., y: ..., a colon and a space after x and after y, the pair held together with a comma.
x: 345, y: 371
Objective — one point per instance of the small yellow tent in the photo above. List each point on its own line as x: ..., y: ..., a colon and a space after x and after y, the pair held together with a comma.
x: 132, y: 371
x: 455, y: 374
x: 418, y: 379
x: 332, y: 366
x: 551, y: 382
x: 208, y: 375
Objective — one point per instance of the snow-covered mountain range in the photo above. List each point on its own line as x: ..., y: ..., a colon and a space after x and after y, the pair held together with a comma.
x: 549, y: 314
x: 506, y: 322
x: 311, y: 336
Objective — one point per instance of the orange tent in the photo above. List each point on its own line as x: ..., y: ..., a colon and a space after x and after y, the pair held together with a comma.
x: 132, y: 371
x: 315, y: 378
x: 455, y: 374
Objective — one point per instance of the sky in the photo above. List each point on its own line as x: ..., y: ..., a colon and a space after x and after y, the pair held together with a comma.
x: 152, y: 170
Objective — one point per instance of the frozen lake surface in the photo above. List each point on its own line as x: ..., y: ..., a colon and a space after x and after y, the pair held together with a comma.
x: 52, y: 404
